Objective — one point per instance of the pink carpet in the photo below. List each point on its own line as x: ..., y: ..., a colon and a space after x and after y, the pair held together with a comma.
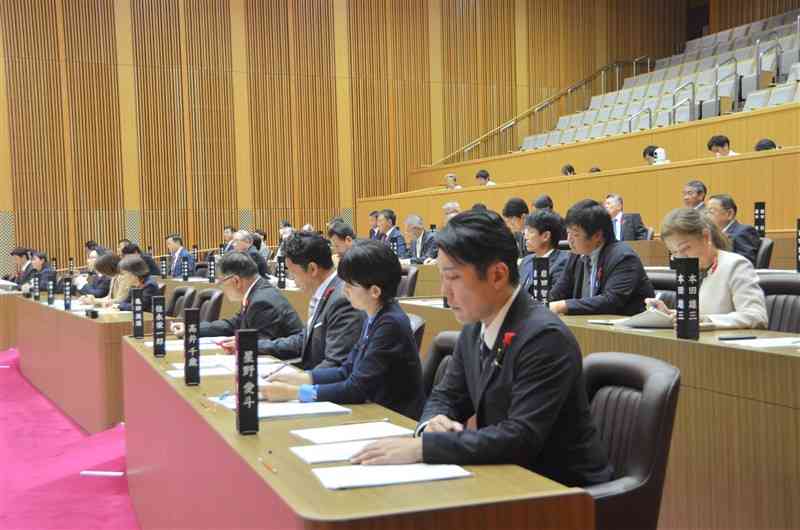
x: 42, y: 453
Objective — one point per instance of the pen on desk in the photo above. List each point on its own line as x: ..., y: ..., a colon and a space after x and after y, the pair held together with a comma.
x: 362, y: 421
x: 267, y: 466
x: 281, y: 367
x: 738, y: 337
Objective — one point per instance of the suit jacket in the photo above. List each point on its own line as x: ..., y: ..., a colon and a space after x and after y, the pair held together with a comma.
x: 532, y: 410
x: 98, y: 286
x: 429, y: 249
x: 730, y: 296
x: 25, y: 275
x: 396, y: 237
x: 259, y: 260
x: 267, y: 311
x: 45, y: 275
x: 176, y: 264
x: 522, y: 247
x: 149, y: 290
x: 622, y: 284
x: 155, y: 270
x: 382, y: 368
x: 328, y: 340
x: 745, y: 240
x: 557, y: 262
x: 632, y: 227
x: 374, y: 233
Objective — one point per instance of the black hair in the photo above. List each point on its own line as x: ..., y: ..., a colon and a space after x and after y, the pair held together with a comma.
x: 543, y: 202
x: 766, y: 144
x: 136, y: 266
x: 22, y: 252
x: 718, y: 140
x: 131, y: 248
x: 698, y: 187
x: 285, y: 223
x: 370, y: 263
x: 726, y: 201
x: 39, y: 255
x: 482, y: 174
x: 257, y: 240
x: 108, y: 264
x: 229, y: 227
x: 515, y: 207
x: 592, y: 217
x: 567, y: 170
x: 91, y: 244
x: 595, y: 169
x: 649, y: 151
x: 238, y: 263
x: 373, y: 213
x: 389, y: 215
x: 260, y: 231
x: 480, y: 239
x: 124, y: 240
x: 546, y: 221
x: 307, y: 247
x: 176, y: 238
x: 479, y: 206
x: 341, y: 230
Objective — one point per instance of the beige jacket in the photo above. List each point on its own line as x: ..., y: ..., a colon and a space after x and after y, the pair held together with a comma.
x: 730, y: 296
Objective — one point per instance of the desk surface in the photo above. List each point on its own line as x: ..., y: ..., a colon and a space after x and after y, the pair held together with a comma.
x: 293, y: 481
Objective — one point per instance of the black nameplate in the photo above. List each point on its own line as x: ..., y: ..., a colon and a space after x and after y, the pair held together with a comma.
x: 185, y: 268
x: 222, y: 249
x: 760, y: 218
x: 195, y: 253
x: 35, y: 287
x: 247, y: 381
x: 163, y: 265
x: 393, y: 245
x: 445, y: 303
x: 212, y: 270
x: 687, y: 303
x: 433, y: 228
x: 159, y: 327
x: 51, y: 292
x: 68, y: 293
x: 191, y: 346
x: 540, y: 279
x: 138, y: 313
x: 71, y: 266
x: 280, y: 272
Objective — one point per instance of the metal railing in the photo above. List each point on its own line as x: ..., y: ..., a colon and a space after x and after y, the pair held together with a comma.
x: 692, y: 98
x: 648, y: 110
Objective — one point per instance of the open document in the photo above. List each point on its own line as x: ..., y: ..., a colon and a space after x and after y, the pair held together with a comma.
x: 344, y: 477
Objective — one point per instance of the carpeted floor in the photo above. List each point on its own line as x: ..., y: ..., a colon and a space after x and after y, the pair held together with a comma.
x: 42, y: 453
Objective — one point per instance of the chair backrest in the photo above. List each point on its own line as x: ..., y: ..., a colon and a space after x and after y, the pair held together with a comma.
x: 633, y: 401
x: 181, y: 297
x: 417, y: 328
x: 408, y: 282
x: 650, y: 233
x: 201, y: 269
x: 764, y: 254
x: 162, y: 288
x: 782, y: 292
x: 442, y: 347
x: 209, y: 301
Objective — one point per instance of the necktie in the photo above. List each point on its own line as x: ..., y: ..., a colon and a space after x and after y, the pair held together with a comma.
x: 586, y: 288
x: 312, y: 308
x: 485, y: 355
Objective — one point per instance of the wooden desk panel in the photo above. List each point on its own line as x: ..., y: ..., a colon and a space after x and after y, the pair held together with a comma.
x: 437, y: 319
x: 185, y: 459
x: 8, y: 319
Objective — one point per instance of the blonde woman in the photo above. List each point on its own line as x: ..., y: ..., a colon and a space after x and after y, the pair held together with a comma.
x: 730, y: 296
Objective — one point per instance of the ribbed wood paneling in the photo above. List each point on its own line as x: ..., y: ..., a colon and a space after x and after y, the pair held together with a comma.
x: 724, y: 14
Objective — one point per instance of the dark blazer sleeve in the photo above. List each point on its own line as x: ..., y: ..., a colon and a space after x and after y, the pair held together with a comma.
x: 545, y: 378
x: 622, y: 281
x: 284, y: 348
x: 343, y: 324
x: 639, y: 229
x: 564, y: 287
x: 451, y: 396
x: 98, y: 287
x: 746, y: 242
x: 558, y: 262
x: 402, y: 250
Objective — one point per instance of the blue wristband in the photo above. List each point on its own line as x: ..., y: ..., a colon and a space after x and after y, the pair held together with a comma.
x: 307, y: 393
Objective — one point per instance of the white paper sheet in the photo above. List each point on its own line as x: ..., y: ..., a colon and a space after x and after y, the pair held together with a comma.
x: 356, y: 431
x: 286, y: 410
x: 772, y: 342
x: 265, y: 365
x: 344, y: 477
x: 212, y: 371
x: 325, y: 453
x: 649, y: 318
x: 427, y: 302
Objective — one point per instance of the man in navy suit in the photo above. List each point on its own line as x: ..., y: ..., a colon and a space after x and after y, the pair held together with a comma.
x: 390, y: 234
x: 541, y: 237
x: 423, y: 244
x: 603, y: 276
x: 744, y: 238
x: 177, y: 253
x: 24, y: 267
x: 627, y: 226
x: 514, y: 212
x: 374, y: 232
x: 243, y: 242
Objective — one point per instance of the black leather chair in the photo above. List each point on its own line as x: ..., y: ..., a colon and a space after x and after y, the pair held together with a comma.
x: 664, y: 284
x: 201, y: 270
x: 633, y: 401
x: 417, y: 328
x: 181, y: 297
x: 563, y: 244
x: 408, y: 282
x: 438, y: 355
x: 764, y: 254
x: 162, y: 288
x: 782, y: 292
x: 650, y: 233
x: 209, y: 301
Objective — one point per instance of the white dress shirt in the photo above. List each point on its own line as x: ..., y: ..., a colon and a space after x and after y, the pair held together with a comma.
x: 313, y: 303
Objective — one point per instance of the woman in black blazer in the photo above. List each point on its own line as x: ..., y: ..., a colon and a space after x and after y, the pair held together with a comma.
x: 138, y: 273
x: 42, y: 268
x: 383, y: 367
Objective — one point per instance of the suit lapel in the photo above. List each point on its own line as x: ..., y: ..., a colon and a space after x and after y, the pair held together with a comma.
x: 319, y: 309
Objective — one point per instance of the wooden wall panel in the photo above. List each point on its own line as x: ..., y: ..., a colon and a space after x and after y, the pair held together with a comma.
x: 724, y: 14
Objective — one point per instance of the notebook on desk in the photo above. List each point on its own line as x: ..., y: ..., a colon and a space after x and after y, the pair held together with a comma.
x: 650, y: 318
x: 346, y: 477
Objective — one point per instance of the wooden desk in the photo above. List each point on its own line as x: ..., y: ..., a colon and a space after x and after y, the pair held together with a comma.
x: 428, y: 281
x: 187, y: 468
x: 8, y: 319
x: 74, y: 361
x: 437, y: 319
x: 652, y: 253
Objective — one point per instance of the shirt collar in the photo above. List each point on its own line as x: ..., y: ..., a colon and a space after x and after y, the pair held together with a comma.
x: 618, y: 217
x: 392, y: 229
x: 728, y: 225
x: 27, y: 264
x: 595, y: 255
x: 547, y: 254
x: 489, y: 333
x: 324, y: 285
x: 247, y: 294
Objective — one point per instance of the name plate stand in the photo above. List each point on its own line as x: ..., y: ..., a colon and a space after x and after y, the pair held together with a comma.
x: 68, y: 293
x: 163, y: 265
x: 195, y: 253
x: 247, y: 381
x: 393, y: 245
x: 35, y: 288
x: 280, y: 272
x: 159, y: 327
x: 212, y: 270
x: 687, y: 303
x: 51, y: 291
x: 71, y: 266
x: 138, y: 313
x: 760, y: 218
x: 185, y: 268
x: 540, y: 279
x: 191, y: 346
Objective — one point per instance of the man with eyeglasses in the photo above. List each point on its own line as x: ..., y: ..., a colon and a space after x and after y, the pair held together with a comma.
x: 264, y: 308
x: 744, y: 238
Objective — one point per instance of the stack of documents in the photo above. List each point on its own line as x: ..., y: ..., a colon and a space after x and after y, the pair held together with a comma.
x: 206, y: 343
x: 650, y: 318
x: 213, y: 365
x: 344, y: 477
x: 290, y: 409
x: 356, y: 431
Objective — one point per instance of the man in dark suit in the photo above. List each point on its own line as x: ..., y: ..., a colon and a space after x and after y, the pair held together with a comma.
x: 390, y: 234
x: 132, y: 249
x: 177, y: 253
x: 694, y: 195
x: 603, y: 275
x: 342, y: 237
x: 516, y: 367
x: 24, y: 269
x: 514, y: 212
x: 93, y: 283
x: 374, y: 231
x: 541, y: 237
x: 243, y: 242
x: 264, y: 308
x: 744, y: 238
x: 423, y: 244
x: 627, y: 226
x: 43, y: 269
x: 333, y: 325
x: 227, y: 237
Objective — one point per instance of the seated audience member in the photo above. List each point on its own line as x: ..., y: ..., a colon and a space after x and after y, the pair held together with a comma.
x: 451, y: 182
x: 422, y: 248
x: 478, y: 206
x: 543, y: 202
x: 514, y: 213
x: 137, y: 275
x: 744, y: 238
x: 595, y: 169
x: 93, y: 283
x: 383, y: 367
x: 374, y: 233
x: 721, y: 146
x: 285, y: 231
x: 108, y: 265
x: 342, y: 237
x: 23, y: 268
x: 627, y: 226
x: 264, y: 308
x: 568, y: 170
x: 483, y: 178
x: 177, y: 253
x: 602, y: 276
x: 391, y: 235
x: 694, y: 195
x: 263, y: 249
x: 122, y: 243
x: 450, y: 209
x: 243, y: 242
x: 308, y: 227
x: 93, y: 245
x: 516, y: 367
x: 42, y: 269
x: 133, y: 249
x: 333, y: 325
x: 654, y: 155
x: 227, y: 237
x: 766, y: 145
x: 730, y: 296
x: 542, y: 230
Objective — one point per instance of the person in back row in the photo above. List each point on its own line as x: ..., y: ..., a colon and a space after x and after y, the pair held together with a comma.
x: 542, y: 228
x: 422, y: 248
x: 694, y: 195
x: 390, y: 234
x: 603, y: 276
x: 243, y: 242
x: 654, y: 155
x: 483, y: 178
x: 721, y: 146
x: 108, y: 265
x: 744, y: 238
x: 516, y: 367
x: 514, y: 213
x: 383, y: 367
x: 177, y: 253
x: 568, y: 170
x: 43, y: 270
x: 627, y: 226
x: 137, y: 275
x: 23, y: 268
x: 730, y: 296
x: 342, y: 237
x: 132, y: 249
